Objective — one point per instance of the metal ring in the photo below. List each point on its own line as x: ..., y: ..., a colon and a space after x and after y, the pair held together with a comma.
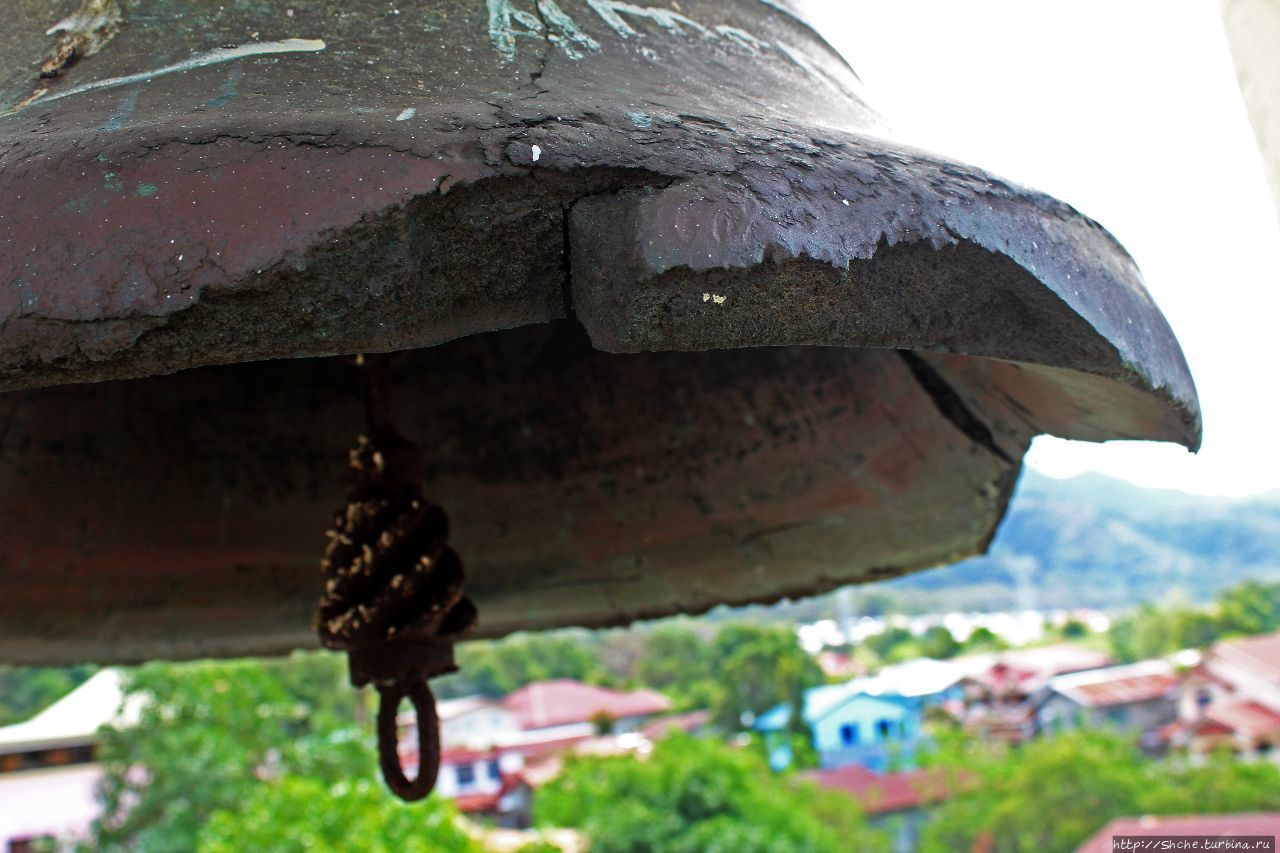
x: 424, y: 705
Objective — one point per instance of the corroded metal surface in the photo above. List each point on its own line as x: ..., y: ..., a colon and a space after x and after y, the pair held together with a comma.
x: 212, y: 186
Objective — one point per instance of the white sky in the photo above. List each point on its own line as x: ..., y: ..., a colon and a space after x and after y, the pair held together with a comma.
x: 1129, y: 110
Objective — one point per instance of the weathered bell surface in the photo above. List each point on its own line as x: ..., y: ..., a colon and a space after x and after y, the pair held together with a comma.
x: 687, y: 326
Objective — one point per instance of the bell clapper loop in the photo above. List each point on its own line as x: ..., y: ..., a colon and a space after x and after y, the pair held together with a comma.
x: 392, y: 585
x: 424, y: 704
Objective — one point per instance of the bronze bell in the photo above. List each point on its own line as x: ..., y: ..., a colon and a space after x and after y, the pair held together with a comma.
x: 685, y: 325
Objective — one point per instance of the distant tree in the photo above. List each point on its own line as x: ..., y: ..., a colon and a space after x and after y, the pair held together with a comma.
x: 1074, y: 629
x: 1250, y: 608
x: 242, y: 749
x: 757, y: 668
x: 1152, y: 631
x: 680, y: 663
x: 602, y: 722
x: 983, y: 639
x: 307, y: 814
x: 26, y: 690
x: 495, y: 668
x: 699, y: 796
x: 938, y: 642
x: 1053, y: 793
x: 892, y: 644
x: 878, y: 602
x: 620, y: 653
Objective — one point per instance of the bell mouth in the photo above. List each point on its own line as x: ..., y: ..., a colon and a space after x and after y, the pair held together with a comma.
x: 671, y: 341
x: 180, y: 515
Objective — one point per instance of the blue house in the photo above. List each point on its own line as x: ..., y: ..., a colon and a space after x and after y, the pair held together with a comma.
x: 874, y: 722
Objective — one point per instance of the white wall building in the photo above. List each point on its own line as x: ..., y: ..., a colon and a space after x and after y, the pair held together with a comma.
x: 49, y: 773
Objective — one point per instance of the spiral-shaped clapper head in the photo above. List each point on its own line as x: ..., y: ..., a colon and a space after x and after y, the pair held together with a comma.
x: 389, y: 572
x: 393, y: 596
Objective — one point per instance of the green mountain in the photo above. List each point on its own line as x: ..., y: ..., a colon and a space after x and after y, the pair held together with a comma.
x: 1094, y: 541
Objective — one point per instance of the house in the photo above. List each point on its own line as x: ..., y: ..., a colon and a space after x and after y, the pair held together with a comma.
x: 1014, y: 675
x: 897, y: 802
x: 49, y: 770
x: 1231, y: 699
x: 474, y: 721
x: 874, y: 721
x: 1242, y: 726
x: 1141, y: 697
x: 1221, y: 826
x: 996, y: 706
x: 1001, y: 723
x: 488, y: 784
x: 565, y: 704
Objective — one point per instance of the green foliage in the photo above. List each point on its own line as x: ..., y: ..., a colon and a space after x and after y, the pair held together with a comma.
x: 497, y: 668
x: 602, y: 722
x: 937, y: 642
x: 983, y: 639
x: 739, y: 669
x: 1053, y: 793
x: 1250, y: 608
x: 306, y: 814
x: 698, y: 796
x: 26, y: 690
x: 758, y: 668
x: 1152, y: 631
x: 891, y: 644
x: 680, y: 662
x: 249, y: 750
x: 1074, y: 629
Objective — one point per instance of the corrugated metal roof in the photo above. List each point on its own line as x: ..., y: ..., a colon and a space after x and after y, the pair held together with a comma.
x: 884, y: 793
x: 1244, y: 717
x: 564, y: 701
x: 1257, y: 654
x: 73, y: 719
x: 1257, y: 823
x: 1117, y: 685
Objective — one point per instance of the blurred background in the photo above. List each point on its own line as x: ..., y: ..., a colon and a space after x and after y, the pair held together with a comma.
x: 1115, y: 657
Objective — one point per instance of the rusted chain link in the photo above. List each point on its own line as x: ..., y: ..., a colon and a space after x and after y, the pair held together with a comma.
x: 392, y: 586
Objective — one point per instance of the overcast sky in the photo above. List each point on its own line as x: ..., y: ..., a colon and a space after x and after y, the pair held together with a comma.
x: 1129, y: 111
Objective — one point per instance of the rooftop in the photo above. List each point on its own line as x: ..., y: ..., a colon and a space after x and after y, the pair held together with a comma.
x: 73, y: 719
x: 882, y: 794
x: 913, y: 679
x: 1257, y: 823
x: 1117, y: 685
x: 1055, y: 659
x: 563, y: 702
x: 1260, y: 655
x: 1244, y: 717
x: 448, y: 709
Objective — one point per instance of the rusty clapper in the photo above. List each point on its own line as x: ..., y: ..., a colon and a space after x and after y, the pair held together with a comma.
x: 392, y: 585
x: 684, y: 325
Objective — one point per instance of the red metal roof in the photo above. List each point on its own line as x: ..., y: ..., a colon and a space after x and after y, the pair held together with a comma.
x: 1118, y: 685
x: 882, y: 794
x: 1264, y: 823
x: 564, y: 702
x: 1244, y: 717
x: 1123, y: 691
x: 1258, y: 654
x: 1024, y: 670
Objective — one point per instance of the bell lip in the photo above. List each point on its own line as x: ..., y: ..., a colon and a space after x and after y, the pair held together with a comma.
x: 907, y: 196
